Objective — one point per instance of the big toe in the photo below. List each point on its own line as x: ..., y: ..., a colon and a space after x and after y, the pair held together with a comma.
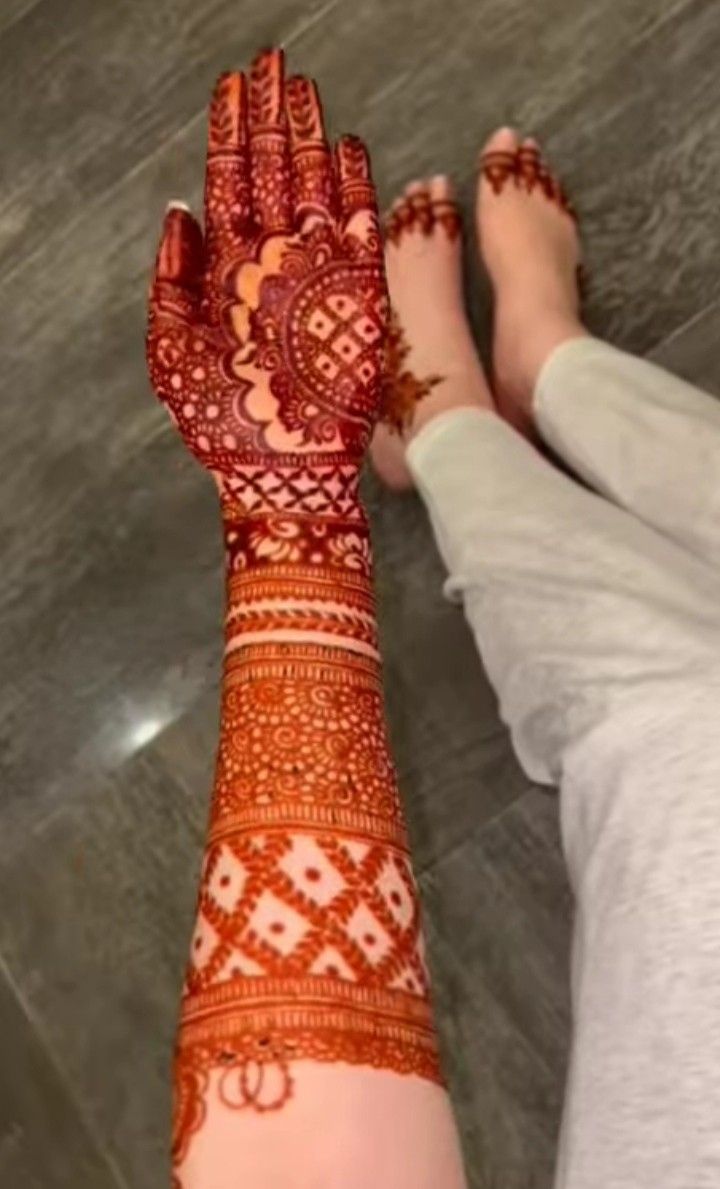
x: 503, y: 140
x: 497, y: 161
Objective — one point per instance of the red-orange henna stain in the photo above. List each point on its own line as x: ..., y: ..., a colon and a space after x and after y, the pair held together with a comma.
x: 402, y: 390
x: 307, y: 942
x: 526, y: 169
x: 420, y: 212
x: 312, y: 168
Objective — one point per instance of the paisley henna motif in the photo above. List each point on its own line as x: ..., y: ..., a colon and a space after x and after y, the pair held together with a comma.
x: 265, y: 343
x: 527, y: 170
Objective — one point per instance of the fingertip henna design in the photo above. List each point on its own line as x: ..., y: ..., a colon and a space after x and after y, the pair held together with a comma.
x: 228, y: 206
x: 267, y: 74
x: 354, y: 178
x: 268, y: 134
x: 180, y: 255
x: 312, y: 174
x: 304, y: 110
x: 227, y: 128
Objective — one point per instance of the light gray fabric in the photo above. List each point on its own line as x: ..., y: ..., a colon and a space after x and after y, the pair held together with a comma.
x: 599, y: 626
x: 646, y: 439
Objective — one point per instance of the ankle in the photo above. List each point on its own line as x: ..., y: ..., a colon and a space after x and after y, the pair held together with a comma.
x: 544, y: 344
x: 536, y: 337
x: 467, y: 391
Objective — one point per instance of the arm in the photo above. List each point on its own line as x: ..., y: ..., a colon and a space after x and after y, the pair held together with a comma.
x: 306, y: 997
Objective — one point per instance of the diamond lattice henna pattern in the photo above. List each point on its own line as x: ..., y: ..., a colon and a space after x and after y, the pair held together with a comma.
x: 315, y: 314
x: 317, y: 484
x: 265, y: 343
x: 295, y: 364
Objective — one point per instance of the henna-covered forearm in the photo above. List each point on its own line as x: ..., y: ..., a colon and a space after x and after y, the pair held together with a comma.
x: 308, y: 938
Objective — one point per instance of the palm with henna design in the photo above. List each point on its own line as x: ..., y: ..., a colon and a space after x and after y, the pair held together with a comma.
x: 266, y: 334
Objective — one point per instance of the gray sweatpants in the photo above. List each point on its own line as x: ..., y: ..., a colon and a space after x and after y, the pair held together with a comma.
x: 598, y: 619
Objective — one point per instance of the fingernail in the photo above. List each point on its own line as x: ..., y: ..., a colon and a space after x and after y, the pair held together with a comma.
x: 175, y: 204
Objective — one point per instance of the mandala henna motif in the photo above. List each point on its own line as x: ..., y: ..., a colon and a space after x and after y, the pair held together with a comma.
x: 266, y: 344
x: 316, y: 325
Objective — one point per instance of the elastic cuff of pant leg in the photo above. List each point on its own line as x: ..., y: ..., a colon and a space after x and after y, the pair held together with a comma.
x: 419, y: 454
x: 575, y: 353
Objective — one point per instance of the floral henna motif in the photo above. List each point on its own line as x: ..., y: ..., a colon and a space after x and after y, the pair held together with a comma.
x: 402, y: 390
x: 295, y: 363
x: 266, y: 340
x: 526, y: 169
x: 312, y: 541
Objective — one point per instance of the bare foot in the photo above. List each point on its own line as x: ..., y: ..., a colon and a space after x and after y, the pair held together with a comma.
x: 530, y: 245
x: 432, y: 363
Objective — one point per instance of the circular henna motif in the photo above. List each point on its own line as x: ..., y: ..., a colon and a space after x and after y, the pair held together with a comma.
x: 332, y: 335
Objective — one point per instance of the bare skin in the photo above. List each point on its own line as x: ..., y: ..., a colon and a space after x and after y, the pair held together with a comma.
x: 530, y: 248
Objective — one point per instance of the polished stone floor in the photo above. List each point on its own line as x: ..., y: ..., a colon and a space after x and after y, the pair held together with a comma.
x: 110, y: 588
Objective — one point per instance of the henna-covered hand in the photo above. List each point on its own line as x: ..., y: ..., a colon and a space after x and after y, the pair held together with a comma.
x: 266, y: 334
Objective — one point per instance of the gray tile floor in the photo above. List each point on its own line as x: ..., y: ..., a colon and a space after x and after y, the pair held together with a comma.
x: 110, y: 591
